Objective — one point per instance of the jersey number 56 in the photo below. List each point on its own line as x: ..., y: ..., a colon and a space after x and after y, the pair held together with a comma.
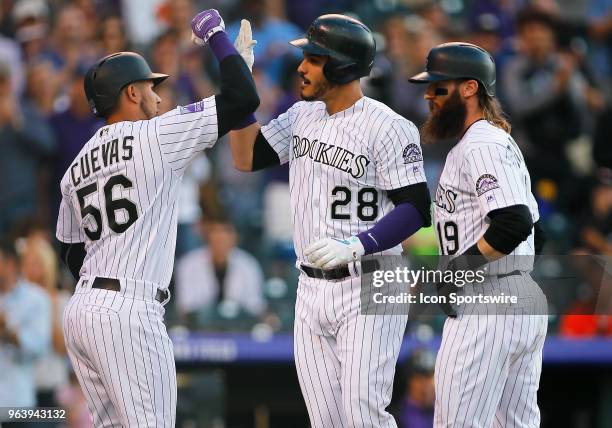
x: 111, y: 206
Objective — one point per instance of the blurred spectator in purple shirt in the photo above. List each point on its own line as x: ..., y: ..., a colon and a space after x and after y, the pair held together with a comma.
x: 417, y: 406
x: 487, y: 31
x: 408, y: 39
x: 41, y: 87
x: 184, y: 66
x: 72, y: 127
x: 71, y: 42
x: 112, y: 36
x: 503, y: 11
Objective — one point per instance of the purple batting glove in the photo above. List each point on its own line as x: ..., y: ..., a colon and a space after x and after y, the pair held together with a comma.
x: 206, y: 24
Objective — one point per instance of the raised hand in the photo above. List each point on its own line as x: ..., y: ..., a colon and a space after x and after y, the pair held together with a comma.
x: 244, y: 43
x: 205, y: 25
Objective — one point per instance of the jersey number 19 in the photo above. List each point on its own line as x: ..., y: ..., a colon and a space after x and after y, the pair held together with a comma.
x: 448, y: 237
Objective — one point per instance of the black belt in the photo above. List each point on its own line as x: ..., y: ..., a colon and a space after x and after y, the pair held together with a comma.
x: 341, y: 272
x: 367, y: 266
x: 328, y: 274
x: 503, y: 275
x: 113, y: 284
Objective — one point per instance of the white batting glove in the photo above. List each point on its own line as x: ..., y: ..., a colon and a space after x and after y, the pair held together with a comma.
x: 244, y: 43
x: 328, y: 253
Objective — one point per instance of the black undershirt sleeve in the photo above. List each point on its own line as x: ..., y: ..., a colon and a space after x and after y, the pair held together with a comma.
x: 539, y: 237
x: 73, y: 255
x: 509, y: 227
x: 264, y: 155
x: 238, y: 97
x: 417, y: 195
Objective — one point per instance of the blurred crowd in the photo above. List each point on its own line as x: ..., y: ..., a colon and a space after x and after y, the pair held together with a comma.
x: 554, y: 60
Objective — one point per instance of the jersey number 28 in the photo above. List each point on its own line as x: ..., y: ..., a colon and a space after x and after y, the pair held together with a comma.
x: 367, y: 203
x: 111, y: 206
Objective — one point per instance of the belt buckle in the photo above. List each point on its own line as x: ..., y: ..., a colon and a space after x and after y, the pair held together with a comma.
x: 334, y: 275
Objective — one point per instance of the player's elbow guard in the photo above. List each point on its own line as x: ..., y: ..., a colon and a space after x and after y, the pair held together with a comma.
x: 509, y: 227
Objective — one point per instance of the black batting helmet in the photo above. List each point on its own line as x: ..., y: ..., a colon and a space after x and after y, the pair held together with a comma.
x: 348, y: 43
x: 109, y: 75
x: 459, y: 60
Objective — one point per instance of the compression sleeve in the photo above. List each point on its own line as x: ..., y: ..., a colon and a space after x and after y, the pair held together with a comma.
x: 412, y: 211
x: 509, y: 227
x: 238, y: 98
x: 73, y: 255
x: 264, y: 156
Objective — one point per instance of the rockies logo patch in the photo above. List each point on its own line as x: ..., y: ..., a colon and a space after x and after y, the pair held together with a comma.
x: 412, y: 153
x: 485, y: 183
x: 192, y: 108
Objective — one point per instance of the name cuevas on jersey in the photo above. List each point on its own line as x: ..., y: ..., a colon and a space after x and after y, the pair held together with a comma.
x: 100, y: 157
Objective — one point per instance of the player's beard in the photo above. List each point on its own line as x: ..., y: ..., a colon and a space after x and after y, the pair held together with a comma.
x: 319, y: 91
x: 149, y: 112
x: 447, y: 123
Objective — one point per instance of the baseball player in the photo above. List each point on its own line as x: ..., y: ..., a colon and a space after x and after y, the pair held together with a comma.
x: 118, y: 222
x: 357, y: 187
x: 489, y: 363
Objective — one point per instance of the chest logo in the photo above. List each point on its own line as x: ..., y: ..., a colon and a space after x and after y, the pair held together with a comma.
x: 328, y: 154
x: 485, y: 183
x: 412, y: 153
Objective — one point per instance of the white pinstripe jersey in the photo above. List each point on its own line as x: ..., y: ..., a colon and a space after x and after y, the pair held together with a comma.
x: 483, y: 172
x: 341, y: 165
x: 119, y: 195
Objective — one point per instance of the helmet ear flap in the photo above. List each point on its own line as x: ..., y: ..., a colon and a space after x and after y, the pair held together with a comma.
x: 340, y: 72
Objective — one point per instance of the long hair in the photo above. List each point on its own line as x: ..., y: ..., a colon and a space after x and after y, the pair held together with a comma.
x: 492, y: 110
x: 39, y: 263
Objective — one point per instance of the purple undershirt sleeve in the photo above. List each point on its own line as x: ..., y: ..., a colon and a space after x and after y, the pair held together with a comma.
x: 221, y: 46
x: 400, y: 223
